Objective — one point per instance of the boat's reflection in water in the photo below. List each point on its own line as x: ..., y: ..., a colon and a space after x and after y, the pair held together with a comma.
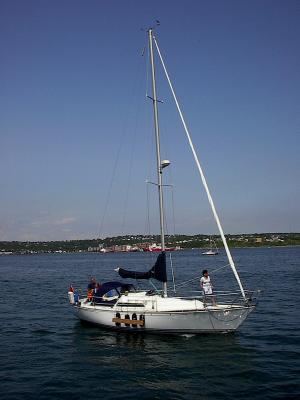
x: 148, y: 352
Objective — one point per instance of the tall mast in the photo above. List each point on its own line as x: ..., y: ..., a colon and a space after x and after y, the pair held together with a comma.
x: 158, y: 157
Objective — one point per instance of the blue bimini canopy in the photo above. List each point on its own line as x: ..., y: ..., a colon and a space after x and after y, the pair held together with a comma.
x: 107, y: 286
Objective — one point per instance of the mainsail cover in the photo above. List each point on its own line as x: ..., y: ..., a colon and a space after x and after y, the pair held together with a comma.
x: 158, y: 271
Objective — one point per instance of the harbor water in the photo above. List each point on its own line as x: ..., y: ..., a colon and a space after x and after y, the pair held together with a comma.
x: 46, y: 353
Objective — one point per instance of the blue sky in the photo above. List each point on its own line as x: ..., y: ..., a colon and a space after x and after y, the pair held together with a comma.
x: 76, y: 133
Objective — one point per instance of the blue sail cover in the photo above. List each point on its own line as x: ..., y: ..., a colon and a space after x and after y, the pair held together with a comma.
x: 158, y: 271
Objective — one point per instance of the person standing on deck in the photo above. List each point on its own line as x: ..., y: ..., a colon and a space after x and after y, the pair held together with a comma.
x: 206, y: 285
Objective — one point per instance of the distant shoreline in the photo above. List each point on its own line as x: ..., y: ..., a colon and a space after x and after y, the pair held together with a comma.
x: 133, y: 243
x: 117, y: 252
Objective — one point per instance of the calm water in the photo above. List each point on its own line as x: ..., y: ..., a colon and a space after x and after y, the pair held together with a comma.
x: 47, y: 354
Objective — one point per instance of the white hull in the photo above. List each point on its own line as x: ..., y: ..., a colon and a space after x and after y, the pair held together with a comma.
x: 163, y: 315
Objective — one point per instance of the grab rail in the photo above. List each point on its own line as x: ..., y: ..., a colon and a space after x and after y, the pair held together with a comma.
x: 218, y: 297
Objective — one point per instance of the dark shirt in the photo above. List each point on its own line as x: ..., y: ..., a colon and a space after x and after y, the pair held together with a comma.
x: 91, y: 285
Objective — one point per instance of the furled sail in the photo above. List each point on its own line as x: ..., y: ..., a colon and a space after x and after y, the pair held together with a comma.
x: 158, y: 271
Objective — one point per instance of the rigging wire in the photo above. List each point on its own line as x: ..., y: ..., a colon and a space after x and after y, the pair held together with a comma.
x: 144, y: 51
x: 173, y: 210
x: 147, y: 227
x: 198, y: 277
x: 100, y: 228
x: 122, y: 135
x: 230, y: 259
x: 133, y: 146
x: 173, y: 275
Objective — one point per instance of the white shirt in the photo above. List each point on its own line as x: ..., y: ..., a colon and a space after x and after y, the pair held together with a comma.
x: 206, y: 285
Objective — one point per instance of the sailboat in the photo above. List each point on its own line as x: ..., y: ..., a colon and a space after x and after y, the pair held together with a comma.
x: 119, y: 306
x: 213, y: 250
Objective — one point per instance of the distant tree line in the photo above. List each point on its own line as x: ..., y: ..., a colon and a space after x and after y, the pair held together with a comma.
x: 184, y: 241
